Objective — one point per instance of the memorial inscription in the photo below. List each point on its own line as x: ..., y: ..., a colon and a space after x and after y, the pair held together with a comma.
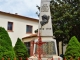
x: 44, y: 28
x: 44, y: 8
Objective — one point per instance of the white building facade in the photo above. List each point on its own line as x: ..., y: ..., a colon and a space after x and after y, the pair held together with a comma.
x: 21, y: 27
x: 18, y: 26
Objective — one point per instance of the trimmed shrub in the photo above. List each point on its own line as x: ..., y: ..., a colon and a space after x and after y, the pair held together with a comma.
x: 6, y: 49
x: 20, y: 50
x: 73, y: 49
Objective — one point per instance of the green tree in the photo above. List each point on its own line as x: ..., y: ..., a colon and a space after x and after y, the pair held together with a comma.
x: 6, y: 49
x: 20, y: 50
x: 73, y: 49
x: 65, y: 18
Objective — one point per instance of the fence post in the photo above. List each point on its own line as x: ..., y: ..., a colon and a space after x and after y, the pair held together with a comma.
x: 2, y: 58
x: 8, y: 58
x: 64, y: 58
x: 20, y: 58
x: 71, y: 58
x: 58, y: 58
x: 78, y: 58
x: 26, y: 58
x: 15, y: 58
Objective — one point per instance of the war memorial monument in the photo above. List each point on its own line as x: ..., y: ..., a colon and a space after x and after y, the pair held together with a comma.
x: 45, y: 47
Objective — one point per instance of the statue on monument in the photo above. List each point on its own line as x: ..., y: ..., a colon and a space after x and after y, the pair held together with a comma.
x: 45, y: 20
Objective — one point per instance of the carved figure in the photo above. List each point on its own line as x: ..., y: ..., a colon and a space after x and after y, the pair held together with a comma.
x: 45, y: 20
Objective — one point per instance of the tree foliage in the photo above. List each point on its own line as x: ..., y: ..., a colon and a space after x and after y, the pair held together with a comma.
x: 73, y: 49
x: 6, y: 49
x: 20, y: 50
x: 65, y: 18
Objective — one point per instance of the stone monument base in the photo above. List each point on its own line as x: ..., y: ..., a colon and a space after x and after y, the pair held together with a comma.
x: 48, y: 49
x: 55, y: 57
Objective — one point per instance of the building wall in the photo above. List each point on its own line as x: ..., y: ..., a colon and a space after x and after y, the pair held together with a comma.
x: 60, y: 47
x: 19, y: 26
x: 64, y: 49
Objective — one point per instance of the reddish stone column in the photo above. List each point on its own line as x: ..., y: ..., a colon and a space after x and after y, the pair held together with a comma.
x: 31, y: 48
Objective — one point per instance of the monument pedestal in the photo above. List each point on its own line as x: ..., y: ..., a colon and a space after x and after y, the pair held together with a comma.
x: 55, y: 57
x: 49, y: 47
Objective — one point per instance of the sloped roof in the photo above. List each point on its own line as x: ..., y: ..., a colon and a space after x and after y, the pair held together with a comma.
x: 32, y: 35
x: 18, y: 16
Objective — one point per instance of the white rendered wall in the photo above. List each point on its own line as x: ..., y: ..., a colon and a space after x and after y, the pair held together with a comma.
x: 19, y: 26
x: 60, y: 47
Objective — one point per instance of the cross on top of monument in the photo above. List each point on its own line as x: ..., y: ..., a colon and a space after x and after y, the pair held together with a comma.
x: 45, y: 0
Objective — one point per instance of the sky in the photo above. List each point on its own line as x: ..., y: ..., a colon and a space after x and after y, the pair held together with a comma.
x: 22, y: 7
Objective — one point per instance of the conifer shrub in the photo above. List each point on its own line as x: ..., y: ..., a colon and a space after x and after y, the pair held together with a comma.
x: 73, y: 49
x: 20, y: 50
x: 6, y: 49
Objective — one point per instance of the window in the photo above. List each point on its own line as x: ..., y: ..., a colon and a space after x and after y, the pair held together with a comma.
x: 27, y: 44
x: 10, y: 26
x: 28, y: 29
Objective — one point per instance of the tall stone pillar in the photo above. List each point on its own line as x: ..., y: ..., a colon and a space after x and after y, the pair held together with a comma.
x: 45, y: 30
x: 45, y: 23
